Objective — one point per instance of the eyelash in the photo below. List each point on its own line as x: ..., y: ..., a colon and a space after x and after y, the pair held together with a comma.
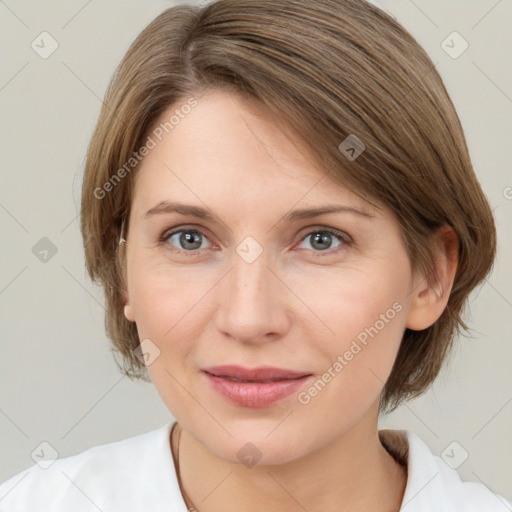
x: 342, y: 237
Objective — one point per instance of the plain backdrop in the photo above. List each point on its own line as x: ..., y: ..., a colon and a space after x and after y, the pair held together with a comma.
x: 59, y: 382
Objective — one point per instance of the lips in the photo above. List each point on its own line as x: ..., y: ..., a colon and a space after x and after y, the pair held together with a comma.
x: 262, y: 374
x: 255, y: 387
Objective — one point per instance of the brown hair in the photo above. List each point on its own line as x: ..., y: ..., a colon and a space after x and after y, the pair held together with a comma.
x: 327, y: 69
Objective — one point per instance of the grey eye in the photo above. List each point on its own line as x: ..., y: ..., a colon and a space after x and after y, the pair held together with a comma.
x: 187, y: 239
x: 322, y: 240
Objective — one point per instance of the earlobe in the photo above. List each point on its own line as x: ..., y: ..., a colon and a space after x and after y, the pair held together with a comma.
x: 128, y: 313
x: 430, y: 294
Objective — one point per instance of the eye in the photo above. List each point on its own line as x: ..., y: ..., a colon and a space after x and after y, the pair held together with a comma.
x: 322, y: 239
x: 187, y: 240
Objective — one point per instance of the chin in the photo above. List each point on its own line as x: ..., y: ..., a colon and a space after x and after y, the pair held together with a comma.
x: 253, y: 445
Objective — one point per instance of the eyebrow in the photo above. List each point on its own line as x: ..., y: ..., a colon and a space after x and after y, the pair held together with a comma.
x: 206, y: 214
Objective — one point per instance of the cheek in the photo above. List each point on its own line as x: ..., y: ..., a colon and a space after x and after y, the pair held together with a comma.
x: 167, y: 305
x: 163, y: 309
x: 167, y: 302
x: 350, y: 300
x: 365, y: 313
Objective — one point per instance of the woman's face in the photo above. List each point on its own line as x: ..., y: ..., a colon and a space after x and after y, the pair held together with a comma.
x: 259, y: 286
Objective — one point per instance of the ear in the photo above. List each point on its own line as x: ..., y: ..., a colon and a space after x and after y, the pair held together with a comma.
x: 128, y: 313
x: 430, y: 294
x: 128, y: 310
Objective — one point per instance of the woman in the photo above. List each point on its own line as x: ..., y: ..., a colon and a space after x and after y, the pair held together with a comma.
x: 280, y: 205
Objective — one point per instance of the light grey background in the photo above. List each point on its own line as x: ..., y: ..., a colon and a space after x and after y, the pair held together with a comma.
x: 58, y: 379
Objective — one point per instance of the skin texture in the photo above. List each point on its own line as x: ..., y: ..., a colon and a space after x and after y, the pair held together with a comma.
x: 295, y: 306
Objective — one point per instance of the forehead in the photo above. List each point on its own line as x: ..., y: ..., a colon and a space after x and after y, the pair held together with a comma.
x: 232, y: 147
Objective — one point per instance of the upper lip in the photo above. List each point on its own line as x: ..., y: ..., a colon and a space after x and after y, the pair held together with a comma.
x: 254, y: 374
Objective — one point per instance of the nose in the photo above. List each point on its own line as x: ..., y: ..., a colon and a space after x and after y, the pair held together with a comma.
x: 254, y: 303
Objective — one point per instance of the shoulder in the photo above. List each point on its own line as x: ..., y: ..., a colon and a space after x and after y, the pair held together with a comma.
x: 98, y: 478
x: 432, y: 484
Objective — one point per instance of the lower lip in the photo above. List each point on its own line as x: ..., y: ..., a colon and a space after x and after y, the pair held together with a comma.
x: 256, y: 394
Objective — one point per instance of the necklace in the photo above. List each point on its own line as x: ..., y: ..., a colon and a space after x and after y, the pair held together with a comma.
x: 188, y: 502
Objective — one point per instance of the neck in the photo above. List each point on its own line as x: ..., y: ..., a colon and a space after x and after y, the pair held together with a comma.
x: 353, y: 473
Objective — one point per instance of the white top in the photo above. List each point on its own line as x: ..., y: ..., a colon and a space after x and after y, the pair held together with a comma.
x: 138, y: 475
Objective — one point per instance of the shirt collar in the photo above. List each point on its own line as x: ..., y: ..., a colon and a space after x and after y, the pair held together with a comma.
x: 424, y: 488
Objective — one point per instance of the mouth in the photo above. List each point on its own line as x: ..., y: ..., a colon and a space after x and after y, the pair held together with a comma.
x: 261, y: 374
x: 258, y: 387
x: 234, y: 379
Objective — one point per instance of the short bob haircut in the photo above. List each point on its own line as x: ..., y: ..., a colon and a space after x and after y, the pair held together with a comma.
x: 327, y: 70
